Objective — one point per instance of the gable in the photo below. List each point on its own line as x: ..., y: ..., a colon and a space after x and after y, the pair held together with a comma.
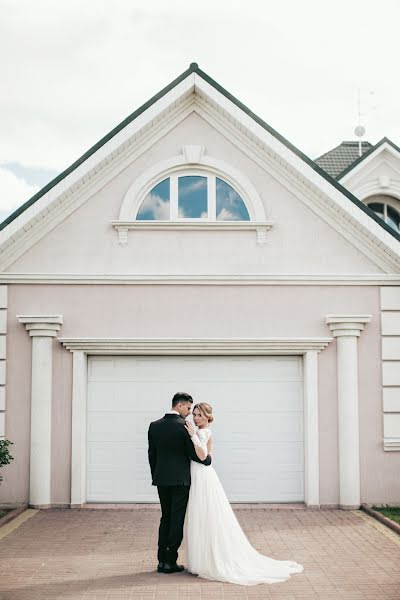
x: 194, y: 91
x: 379, y: 173
x: 300, y: 241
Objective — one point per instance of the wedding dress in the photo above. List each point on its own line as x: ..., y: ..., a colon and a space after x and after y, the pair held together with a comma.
x: 215, y: 545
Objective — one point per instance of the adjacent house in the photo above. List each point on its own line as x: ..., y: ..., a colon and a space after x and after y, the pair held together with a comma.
x: 195, y: 249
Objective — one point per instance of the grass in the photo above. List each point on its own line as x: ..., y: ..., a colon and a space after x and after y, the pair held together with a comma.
x: 392, y: 512
x: 4, y: 511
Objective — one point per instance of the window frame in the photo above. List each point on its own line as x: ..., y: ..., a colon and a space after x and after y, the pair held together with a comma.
x: 211, y: 197
x: 385, y: 204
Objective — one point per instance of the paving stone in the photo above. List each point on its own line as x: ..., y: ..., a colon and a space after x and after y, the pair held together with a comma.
x: 111, y: 555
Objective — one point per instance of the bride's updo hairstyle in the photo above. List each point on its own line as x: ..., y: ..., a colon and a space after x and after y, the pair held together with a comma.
x: 206, y: 410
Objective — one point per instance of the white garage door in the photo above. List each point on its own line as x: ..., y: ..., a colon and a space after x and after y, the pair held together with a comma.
x: 258, y: 431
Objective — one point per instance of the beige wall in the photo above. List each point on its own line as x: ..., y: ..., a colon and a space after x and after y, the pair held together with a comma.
x: 198, y: 311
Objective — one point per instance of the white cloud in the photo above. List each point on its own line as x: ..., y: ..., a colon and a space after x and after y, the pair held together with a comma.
x: 157, y: 206
x: 197, y: 183
x: 227, y: 215
x: 14, y: 191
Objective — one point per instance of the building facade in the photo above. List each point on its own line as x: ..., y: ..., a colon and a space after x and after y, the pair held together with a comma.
x: 195, y: 249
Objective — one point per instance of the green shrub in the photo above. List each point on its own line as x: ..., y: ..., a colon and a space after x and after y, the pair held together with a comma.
x: 5, y: 456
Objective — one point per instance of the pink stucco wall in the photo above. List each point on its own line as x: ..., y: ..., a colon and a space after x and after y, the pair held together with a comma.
x: 301, y: 242
x: 198, y: 311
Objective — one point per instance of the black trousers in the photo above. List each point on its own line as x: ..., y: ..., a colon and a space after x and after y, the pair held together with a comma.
x: 173, y: 500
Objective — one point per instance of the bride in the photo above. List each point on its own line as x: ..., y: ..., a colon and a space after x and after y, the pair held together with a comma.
x: 215, y: 546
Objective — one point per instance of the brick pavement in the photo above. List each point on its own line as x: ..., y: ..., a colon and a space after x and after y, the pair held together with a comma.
x: 110, y: 554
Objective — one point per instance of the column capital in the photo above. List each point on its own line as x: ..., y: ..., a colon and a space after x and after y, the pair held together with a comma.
x: 347, y: 325
x: 41, y: 325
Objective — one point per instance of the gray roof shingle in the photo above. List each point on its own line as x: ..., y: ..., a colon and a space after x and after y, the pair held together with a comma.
x: 342, y: 157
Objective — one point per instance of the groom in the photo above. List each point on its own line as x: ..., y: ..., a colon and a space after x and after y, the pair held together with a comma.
x: 170, y: 453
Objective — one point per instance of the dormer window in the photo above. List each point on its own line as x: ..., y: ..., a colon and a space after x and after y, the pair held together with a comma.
x: 387, y: 208
x: 193, y: 197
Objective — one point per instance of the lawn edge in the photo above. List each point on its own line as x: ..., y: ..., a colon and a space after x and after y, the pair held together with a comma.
x: 379, y: 517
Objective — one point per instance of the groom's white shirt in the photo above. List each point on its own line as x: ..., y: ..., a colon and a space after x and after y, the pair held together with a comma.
x: 172, y: 412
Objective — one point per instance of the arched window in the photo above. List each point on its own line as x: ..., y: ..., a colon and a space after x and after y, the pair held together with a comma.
x: 193, y: 196
x: 387, y: 208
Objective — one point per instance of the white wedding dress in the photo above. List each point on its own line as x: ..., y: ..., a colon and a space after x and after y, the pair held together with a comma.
x: 215, y: 546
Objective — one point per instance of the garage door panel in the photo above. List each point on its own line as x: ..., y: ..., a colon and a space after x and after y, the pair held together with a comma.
x: 128, y: 396
x: 227, y: 397
x: 261, y: 455
x: 260, y: 426
x: 118, y: 426
x: 258, y: 430
x: 254, y: 368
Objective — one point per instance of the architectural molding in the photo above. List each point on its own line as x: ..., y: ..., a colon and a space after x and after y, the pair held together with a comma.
x: 42, y: 328
x: 44, y: 216
x: 193, y: 346
x: 346, y: 329
x: 347, y: 325
x: 390, y: 335
x: 209, y: 165
x: 380, y: 151
x: 315, y: 190
x: 82, y: 347
x: 346, y: 218
x: 373, y: 187
x: 107, y: 149
x: 201, y: 279
x: 312, y: 179
x: 261, y: 228
x: 41, y: 325
x: 391, y: 444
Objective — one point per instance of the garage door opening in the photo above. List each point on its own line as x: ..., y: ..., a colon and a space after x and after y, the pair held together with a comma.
x: 258, y: 448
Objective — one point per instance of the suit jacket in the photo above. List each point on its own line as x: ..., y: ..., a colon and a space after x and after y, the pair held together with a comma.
x: 170, y: 451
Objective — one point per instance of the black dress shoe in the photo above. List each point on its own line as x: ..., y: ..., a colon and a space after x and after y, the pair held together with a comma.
x: 172, y: 568
x: 160, y: 567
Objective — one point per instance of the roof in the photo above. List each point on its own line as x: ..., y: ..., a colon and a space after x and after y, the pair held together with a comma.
x: 342, y: 158
x: 368, y: 153
x: 137, y: 115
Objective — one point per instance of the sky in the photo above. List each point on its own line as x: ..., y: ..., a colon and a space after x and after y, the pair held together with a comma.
x: 71, y: 71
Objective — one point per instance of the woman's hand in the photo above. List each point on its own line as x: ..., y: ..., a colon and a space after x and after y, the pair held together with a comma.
x: 190, y: 428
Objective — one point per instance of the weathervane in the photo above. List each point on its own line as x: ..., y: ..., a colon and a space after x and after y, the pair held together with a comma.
x: 360, y: 129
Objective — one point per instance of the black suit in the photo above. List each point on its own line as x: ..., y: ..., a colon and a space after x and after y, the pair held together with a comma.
x: 170, y: 453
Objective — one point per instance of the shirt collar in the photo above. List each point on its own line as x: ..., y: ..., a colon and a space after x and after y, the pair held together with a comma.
x: 172, y: 412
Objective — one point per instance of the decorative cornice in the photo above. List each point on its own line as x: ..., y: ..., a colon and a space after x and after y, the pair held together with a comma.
x: 347, y: 325
x: 200, y: 279
x: 41, y: 325
x: 192, y: 346
x: 260, y: 227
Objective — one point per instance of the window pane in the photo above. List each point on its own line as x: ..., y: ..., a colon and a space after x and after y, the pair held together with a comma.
x: 156, y: 204
x: 230, y: 206
x: 393, y: 218
x: 192, y: 197
x: 377, y: 208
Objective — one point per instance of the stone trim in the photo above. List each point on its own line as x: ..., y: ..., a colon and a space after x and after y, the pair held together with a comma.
x: 82, y: 347
x: 346, y: 329
x: 390, y: 323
